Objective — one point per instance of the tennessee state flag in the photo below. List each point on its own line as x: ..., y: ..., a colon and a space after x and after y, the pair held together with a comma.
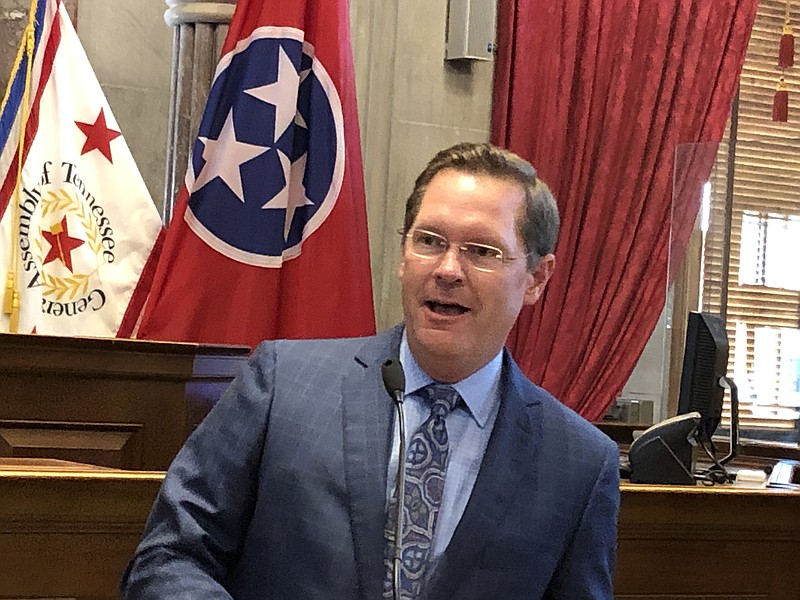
x: 79, y: 233
x: 269, y: 238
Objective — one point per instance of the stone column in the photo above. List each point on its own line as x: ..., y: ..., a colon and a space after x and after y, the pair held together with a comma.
x: 200, y: 29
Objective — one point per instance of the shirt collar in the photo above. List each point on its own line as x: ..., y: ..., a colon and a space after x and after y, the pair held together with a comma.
x: 480, y: 391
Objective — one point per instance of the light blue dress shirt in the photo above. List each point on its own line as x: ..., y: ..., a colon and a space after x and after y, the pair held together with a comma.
x: 468, y: 430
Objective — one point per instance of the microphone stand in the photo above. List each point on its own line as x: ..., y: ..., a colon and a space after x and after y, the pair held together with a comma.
x: 401, y: 489
x: 394, y: 380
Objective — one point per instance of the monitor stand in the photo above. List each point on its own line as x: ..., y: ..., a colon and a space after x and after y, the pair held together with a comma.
x: 733, y: 447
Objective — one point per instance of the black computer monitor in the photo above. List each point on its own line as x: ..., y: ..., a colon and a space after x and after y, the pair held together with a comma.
x: 705, y: 363
x: 664, y: 453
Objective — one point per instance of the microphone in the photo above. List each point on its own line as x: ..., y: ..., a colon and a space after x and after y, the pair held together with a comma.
x: 395, y: 381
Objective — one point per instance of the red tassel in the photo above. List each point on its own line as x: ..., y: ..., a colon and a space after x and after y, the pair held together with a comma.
x: 780, y: 103
x: 786, y: 50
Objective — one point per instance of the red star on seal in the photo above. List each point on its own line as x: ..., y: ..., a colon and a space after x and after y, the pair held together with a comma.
x: 98, y: 136
x: 61, y: 245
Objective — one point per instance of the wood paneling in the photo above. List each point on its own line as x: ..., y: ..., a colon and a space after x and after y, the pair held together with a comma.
x: 68, y: 531
x: 720, y: 543
x: 93, y: 443
x: 119, y: 403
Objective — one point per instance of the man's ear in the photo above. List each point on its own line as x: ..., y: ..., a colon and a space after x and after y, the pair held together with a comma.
x: 539, y: 278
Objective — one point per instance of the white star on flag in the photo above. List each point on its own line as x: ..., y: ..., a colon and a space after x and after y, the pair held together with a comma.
x: 223, y: 158
x: 293, y: 194
x: 282, y: 94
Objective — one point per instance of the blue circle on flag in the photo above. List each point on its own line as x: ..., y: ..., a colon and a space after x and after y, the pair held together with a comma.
x: 268, y: 162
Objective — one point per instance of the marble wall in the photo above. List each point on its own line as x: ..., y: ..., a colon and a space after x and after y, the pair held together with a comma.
x: 412, y: 103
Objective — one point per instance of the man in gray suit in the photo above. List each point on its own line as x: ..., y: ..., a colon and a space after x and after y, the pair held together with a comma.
x: 285, y: 489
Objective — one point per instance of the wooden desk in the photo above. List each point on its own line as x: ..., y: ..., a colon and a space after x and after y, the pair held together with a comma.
x: 68, y: 531
x: 701, y: 543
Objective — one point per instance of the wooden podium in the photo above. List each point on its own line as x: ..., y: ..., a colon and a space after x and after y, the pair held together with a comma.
x: 68, y: 531
x: 126, y: 404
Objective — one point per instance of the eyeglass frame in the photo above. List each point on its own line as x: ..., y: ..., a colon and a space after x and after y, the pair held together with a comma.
x: 502, y: 259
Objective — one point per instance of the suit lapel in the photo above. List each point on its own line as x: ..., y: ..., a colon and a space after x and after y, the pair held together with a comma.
x: 368, y: 415
x: 510, y: 457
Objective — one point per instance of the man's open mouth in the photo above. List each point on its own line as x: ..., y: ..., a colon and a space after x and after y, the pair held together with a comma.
x: 446, y: 309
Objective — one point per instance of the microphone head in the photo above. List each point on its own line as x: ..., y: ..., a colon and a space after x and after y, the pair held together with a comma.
x: 393, y: 377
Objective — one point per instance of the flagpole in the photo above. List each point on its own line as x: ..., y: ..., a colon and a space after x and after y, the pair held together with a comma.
x: 11, y: 303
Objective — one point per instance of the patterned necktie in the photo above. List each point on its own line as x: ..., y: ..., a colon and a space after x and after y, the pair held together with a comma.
x: 426, y: 463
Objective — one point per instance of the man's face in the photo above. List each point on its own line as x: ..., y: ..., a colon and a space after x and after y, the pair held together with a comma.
x: 457, y: 317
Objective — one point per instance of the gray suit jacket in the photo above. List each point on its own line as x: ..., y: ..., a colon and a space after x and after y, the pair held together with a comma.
x: 281, y: 491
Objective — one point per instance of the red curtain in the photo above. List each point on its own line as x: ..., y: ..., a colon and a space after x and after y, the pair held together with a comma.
x: 597, y: 94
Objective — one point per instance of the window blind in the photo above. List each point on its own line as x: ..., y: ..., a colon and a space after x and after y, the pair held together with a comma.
x: 766, y: 195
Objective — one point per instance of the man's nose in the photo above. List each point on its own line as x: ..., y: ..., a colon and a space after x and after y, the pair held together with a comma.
x: 449, y: 266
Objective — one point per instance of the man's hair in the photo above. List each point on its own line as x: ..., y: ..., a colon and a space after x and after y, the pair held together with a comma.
x: 539, y: 222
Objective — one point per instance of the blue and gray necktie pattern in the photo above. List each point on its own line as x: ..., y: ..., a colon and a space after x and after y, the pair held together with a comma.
x: 426, y: 463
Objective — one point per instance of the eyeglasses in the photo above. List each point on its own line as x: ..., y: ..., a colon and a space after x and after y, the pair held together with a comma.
x: 429, y: 245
